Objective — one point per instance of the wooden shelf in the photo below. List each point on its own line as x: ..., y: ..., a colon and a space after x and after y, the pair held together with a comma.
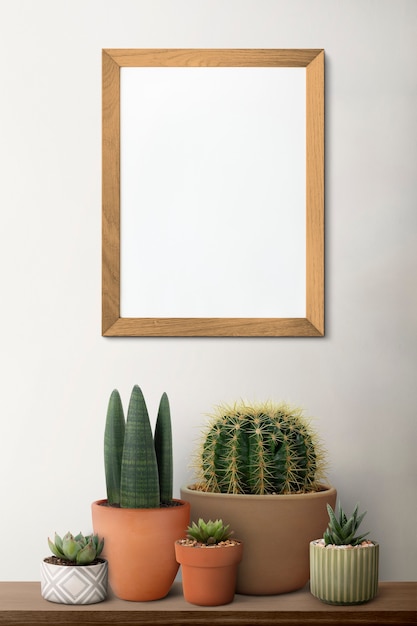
x: 396, y: 603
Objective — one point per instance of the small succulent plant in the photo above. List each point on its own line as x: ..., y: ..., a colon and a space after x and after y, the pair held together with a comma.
x: 80, y: 549
x: 342, y: 530
x: 210, y: 533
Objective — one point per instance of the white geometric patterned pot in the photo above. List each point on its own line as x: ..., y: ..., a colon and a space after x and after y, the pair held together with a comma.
x: 74, y: 584
x: 344, y: 575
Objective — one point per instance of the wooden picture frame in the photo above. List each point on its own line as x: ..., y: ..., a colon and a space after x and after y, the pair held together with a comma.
x: 313, y: 322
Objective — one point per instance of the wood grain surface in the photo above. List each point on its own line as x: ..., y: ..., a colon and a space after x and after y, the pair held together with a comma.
x: 396, y: 603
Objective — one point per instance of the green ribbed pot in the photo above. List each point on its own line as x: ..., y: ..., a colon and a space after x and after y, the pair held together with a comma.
x: 344, y: 575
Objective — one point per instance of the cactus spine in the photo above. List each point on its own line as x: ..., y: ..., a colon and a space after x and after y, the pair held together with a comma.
x: 130, y: 456
x: 261, y: 449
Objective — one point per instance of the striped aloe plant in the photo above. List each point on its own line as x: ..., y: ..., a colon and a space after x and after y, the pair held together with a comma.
x: 138, y: 466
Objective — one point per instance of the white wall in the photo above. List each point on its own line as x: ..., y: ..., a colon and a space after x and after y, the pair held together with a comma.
x: 56, y: 371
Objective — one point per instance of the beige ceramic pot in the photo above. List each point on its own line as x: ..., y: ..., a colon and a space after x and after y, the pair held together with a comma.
x: 209, y: 573
x: 344, y: 575
x: 139, y: 546
x: 276, y: 531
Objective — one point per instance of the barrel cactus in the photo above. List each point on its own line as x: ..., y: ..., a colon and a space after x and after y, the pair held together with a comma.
x: 260, y: 449
x: 138, y: 466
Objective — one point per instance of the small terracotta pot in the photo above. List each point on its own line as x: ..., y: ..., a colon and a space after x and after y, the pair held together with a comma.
x: 344, y: 575
x: 209, y: 573
x: 139, y: 546
x: 74, y: 584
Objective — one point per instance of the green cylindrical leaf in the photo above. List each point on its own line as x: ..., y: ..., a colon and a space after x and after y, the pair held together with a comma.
x: 139, y: 487
x: 163, y: 449
x: 113, y: 447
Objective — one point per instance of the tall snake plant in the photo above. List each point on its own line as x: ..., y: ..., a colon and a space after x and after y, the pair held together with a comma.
x: 138, y: 465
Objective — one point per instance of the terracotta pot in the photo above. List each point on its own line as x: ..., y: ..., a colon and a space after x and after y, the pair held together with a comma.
x: 209, y: 573
x: 139, y: 546
x: 344, y: 575
x: 276, y: 532
x: 74, y: 584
